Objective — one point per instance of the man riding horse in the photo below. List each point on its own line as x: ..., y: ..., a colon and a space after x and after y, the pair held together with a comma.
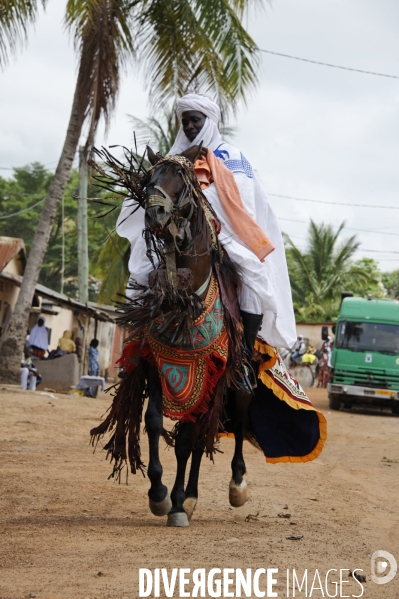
x: 265, y: 298
x: 205, y: 209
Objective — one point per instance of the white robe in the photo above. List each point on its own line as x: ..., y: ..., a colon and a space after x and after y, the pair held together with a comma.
x: 266, y: 287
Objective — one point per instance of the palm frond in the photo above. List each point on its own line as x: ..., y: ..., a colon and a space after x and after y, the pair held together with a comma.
x: 196, y: 45
x: 319, y: 270
x: 15, y: 17
x: 159, y: 133
x: 111, y: 267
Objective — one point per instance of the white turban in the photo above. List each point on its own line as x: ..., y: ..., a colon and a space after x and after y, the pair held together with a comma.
x: 209, y: 134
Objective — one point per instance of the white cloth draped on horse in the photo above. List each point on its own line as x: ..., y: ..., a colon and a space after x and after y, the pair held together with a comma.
x: 266, y: 288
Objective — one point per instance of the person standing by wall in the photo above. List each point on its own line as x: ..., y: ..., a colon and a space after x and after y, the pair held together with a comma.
x: 94, y: 366
x: 38, y: 338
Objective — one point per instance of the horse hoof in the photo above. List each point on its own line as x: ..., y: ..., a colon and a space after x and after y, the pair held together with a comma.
x: 177, y: 519
x: 189, y: 506
x: 238, y: 494
x: 161, y: 508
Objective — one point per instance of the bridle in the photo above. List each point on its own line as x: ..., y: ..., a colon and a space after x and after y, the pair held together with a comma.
x: 191, y: 194
x: 186, y: 196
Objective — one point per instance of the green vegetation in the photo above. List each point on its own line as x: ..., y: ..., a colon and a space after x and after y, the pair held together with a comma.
x: 318, y: 275
x: 29, y: 185
x: 326, y: 268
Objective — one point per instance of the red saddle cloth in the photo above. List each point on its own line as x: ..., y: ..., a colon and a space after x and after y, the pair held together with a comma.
x: 190, y: 368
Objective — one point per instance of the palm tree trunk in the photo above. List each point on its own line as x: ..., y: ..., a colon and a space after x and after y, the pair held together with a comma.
x: 12, y: 341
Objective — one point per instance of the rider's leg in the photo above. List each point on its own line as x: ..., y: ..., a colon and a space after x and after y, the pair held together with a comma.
x: 238, y: 491
x: 160, y: 502
x: 183, y: 446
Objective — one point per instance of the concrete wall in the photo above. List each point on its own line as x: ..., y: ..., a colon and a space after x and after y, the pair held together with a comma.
x: 59, y: 374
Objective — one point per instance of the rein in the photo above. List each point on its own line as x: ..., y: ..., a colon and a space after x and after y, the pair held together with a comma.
x: 191, y: 194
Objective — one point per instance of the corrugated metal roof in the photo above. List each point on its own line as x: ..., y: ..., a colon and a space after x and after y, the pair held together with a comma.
x: 9, y: 247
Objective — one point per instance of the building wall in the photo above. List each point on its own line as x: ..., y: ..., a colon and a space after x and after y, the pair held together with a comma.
x: 8, y: 298
x: 312, y: 332
x: 105, y: 335
x: 14, y: 266
x: 63, y: 321
x: 8, y: 291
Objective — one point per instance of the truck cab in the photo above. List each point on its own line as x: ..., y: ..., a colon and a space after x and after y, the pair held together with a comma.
x: 365, y: 357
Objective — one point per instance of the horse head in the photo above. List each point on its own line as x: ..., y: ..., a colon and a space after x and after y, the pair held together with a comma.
x: 170, y: 203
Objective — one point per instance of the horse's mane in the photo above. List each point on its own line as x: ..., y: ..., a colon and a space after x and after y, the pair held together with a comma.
x: 173, y: 309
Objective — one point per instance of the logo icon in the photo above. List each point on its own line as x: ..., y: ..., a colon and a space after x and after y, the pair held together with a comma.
x: 380, y: 560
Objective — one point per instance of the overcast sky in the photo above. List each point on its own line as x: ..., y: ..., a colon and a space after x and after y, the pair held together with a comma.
x: 310, y: 131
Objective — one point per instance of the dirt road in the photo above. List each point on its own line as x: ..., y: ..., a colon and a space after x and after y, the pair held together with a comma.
x: 68, y: 532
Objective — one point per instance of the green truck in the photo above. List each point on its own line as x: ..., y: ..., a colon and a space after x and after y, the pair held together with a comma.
x: 365, y: 356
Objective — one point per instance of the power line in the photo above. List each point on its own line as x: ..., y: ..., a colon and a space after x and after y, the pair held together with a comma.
x: 328, y: 64
x: 22, y: 211
x: 276, y: 195
x: 306, y: 222
x: 335, y: 227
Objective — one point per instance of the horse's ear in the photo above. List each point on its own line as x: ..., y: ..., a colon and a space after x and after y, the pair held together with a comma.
x: 152, y: 157
x: 192, y: 153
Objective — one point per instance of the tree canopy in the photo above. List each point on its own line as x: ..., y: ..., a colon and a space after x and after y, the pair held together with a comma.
x: 29, y: 185
x: 324, y: 269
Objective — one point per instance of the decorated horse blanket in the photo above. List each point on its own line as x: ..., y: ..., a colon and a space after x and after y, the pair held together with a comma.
x: 284, y: 425
x: 190, y: 368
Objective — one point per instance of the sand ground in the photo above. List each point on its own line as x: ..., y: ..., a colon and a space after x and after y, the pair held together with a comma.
x: 68, y: 532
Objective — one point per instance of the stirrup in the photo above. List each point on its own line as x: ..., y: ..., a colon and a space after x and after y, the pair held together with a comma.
x: 247, y: 381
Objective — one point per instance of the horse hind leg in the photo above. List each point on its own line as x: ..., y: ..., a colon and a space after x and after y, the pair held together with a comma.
x: 238, y: 488
x: 159, y: 499
x: 191, y: 492
x: 183, y: 446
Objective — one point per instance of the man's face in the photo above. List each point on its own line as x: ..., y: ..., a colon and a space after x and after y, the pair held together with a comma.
x: 192, y: 122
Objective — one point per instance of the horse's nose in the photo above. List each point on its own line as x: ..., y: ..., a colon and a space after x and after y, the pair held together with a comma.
x: 156, y: 217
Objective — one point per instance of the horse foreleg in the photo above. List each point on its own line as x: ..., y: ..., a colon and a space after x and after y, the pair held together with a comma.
x: 183, y: 446
x: 159, y: 500
x: 238, y: 489
x: 191, y: 493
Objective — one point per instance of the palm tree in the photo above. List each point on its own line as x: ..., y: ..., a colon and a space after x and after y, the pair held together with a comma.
x: 322, y: 271
x: 178, y: 43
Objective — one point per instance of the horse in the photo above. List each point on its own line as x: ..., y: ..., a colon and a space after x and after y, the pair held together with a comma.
x: 187, y: 350
x: 170, y: 194
x: 179, y: 220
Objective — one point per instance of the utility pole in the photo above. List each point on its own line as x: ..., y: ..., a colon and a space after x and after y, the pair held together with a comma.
x: 83, y: 250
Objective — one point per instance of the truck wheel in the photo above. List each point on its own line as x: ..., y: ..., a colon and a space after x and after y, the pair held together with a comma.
x: 334, y: 401
x: 395, y: 408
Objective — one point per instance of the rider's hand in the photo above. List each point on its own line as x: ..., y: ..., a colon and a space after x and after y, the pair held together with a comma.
x: 203, y: 153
